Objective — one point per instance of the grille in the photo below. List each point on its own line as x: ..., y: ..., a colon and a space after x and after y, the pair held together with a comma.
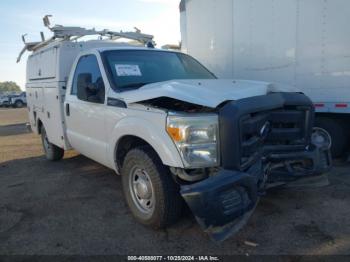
x: 271, y: 130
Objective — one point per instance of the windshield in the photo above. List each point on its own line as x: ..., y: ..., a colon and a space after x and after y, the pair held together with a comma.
x: 129, y: 69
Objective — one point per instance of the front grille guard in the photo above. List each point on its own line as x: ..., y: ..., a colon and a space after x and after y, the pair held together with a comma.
x: 265, y: 132
x: 289, y: 117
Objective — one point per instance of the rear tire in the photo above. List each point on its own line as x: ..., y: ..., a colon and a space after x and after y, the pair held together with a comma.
x: 337, y: 132
x: 52, y: 152
x: 150, y: 192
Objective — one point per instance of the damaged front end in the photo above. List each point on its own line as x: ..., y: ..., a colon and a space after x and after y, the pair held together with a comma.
x: 222, y: 204
x: 262, y: 140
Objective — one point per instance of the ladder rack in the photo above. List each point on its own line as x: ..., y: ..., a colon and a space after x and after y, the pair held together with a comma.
x: 67, y: 33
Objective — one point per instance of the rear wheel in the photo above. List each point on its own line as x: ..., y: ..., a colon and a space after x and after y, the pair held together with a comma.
x: 52, y: 152
x: 337, y: 131
x: 151, y: 194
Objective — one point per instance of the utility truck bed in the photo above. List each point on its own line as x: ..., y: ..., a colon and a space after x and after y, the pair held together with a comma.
x: 48, y: 70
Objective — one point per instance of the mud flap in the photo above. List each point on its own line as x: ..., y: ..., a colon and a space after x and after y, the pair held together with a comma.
x: 222, y: 204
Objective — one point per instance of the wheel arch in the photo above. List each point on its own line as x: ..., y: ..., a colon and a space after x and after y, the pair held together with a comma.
x: 137, y: 132
x: 125, y: 144
x: 39, y: 124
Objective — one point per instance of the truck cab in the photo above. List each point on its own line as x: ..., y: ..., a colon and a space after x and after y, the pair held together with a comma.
x: 19, y: 100
x: 175, y: 133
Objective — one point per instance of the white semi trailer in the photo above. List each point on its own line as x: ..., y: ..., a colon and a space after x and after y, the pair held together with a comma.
x: 301, y: 43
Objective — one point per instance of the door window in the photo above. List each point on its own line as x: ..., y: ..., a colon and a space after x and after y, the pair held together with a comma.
x: 87, y: 82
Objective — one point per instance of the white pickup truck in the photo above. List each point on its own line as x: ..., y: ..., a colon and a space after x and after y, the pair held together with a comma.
x: 174, y: 132
x: 19, y: 100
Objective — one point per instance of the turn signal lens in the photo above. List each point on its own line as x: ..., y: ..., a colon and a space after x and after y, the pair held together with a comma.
x: 175, y: 133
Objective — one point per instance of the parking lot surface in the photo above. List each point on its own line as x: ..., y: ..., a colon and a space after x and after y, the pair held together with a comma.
x: 76, y: 206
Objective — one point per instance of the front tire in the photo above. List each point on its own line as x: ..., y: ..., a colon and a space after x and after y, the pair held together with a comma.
x: 151, y: 194
x: 52, y: 152
x: 19, y: 104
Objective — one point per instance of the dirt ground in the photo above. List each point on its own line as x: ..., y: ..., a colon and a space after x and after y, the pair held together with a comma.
x: 76, y: 206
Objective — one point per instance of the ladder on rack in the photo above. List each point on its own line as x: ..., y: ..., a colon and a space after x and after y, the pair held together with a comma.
x: 68, y: 33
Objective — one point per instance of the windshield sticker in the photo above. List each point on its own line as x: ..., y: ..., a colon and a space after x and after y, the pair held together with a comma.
x: 128, y: 70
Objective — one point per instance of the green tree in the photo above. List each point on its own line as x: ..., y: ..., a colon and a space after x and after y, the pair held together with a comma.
x: 9, y: 86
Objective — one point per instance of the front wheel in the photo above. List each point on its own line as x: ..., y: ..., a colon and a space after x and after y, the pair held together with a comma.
x: 52, y: 152
x: 19, y: 104
x: 151, y: 194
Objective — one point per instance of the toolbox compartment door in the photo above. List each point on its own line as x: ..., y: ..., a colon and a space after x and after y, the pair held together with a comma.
x: 42, y: 65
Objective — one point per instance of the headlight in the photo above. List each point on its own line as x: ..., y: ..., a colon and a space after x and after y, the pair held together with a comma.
x: 196, y: 138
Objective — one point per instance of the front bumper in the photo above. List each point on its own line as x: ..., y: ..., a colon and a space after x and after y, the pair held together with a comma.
x: 290, y: 166
x: 222, y: 204
x: 263, y: 140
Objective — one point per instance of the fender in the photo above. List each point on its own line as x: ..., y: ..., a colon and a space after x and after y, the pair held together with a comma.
x: 154, y: 135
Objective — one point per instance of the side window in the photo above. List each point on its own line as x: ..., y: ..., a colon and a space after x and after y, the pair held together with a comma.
x: 88, y: 76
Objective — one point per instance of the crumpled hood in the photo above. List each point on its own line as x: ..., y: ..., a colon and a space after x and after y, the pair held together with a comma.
x: 208, y: 93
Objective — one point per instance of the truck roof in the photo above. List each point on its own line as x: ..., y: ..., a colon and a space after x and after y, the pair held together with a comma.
x: 102, y: 49
x: 99, y: 45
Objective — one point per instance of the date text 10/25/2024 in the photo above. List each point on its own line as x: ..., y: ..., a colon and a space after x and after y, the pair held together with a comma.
x: 173, y: 258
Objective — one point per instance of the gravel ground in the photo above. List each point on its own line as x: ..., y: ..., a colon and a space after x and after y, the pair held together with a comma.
x: 75, y: 206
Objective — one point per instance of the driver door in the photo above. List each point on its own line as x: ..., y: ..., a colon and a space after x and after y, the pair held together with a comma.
x: 85, y: 110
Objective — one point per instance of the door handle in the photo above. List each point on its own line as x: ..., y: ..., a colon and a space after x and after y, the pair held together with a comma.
x: 67, y: 110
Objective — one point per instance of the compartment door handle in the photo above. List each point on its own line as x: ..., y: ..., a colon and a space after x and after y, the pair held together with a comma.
x: 67, y: 110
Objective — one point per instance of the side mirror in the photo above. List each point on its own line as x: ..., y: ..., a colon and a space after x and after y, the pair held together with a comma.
x: 83, y: 81
x: 91, y: 89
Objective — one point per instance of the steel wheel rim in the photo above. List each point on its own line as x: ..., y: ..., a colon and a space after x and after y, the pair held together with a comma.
x: 141, y: 190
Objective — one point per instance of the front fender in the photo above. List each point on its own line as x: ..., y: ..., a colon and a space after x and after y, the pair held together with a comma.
x: 153, y: 132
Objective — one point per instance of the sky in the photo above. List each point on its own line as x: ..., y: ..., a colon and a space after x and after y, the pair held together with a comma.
x: 157, y: 17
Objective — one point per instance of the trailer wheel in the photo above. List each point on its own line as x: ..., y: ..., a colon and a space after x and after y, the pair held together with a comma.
x: 337, y: 132
x: 151, y: 194
x: 52, y: 152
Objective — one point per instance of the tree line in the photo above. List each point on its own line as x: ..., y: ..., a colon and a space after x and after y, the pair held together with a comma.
x: 9, y: 86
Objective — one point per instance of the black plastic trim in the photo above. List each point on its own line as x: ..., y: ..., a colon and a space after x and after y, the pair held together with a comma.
x: 116, y: 102
x: 220, y: 203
